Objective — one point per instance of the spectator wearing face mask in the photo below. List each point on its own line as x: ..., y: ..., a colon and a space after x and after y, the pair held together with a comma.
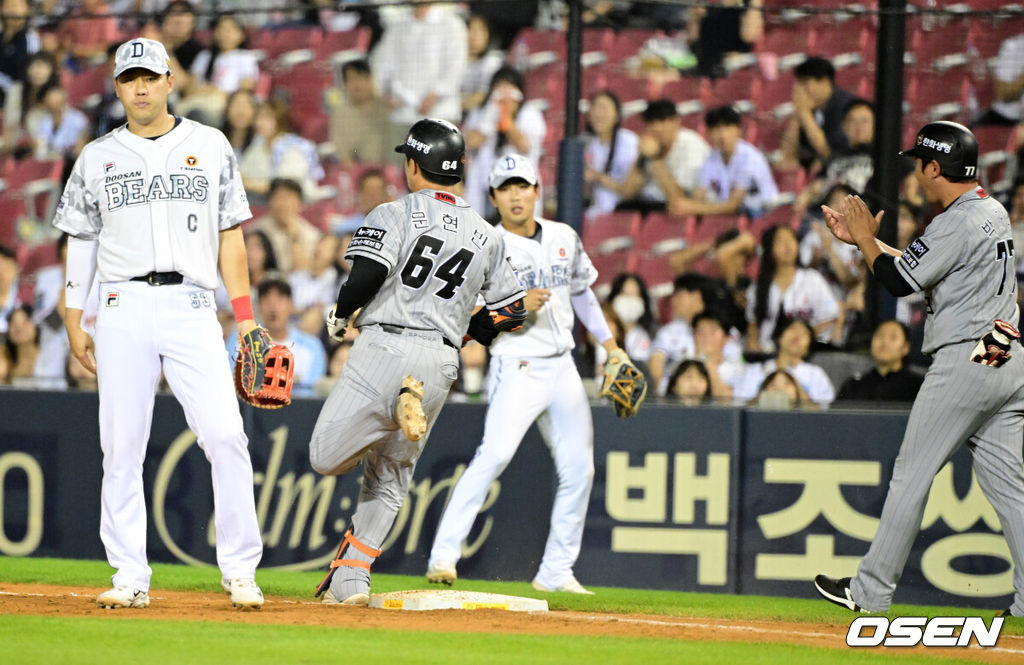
x: 630, y: 302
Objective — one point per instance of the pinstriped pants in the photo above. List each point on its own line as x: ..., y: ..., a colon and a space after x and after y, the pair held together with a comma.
x: 357, y: 422
x: 959, y: 402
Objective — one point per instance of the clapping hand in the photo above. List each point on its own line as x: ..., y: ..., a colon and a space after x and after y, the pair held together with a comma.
x: 853, y: 219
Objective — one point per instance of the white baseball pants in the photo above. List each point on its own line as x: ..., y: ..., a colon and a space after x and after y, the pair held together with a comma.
x: 548, y: 390
x: 139, y: 330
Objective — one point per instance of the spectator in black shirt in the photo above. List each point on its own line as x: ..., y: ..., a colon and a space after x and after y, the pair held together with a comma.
x: 815, y: 130
x: 890, y: 380
x: 177, y: 25
x: 730, y: 27
x: 17, y: 43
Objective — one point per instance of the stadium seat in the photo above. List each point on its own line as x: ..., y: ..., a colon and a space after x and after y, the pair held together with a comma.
x: 86, y: 88
x: 830, y: 40
x: 18, y: 174
x: 932, y: 41
x: 610, y: 232
x: 627, y: 44
x: 661, y: 233
x: 345, y: 45
x: 12, y: 210
x: 709, y: 227
x: 277, y: 42
x: 656, y: 271
x: 319, y: 213
x: 40, y: 256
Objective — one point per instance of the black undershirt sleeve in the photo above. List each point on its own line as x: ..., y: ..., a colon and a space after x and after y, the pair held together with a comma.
x: 886, y: 273
x: 364, y: 280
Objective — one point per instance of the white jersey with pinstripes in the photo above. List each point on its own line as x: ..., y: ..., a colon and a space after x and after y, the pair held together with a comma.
x: 439, y: 254
x: 155, y: 204
x: 966, y: 267
x: 555, y: 260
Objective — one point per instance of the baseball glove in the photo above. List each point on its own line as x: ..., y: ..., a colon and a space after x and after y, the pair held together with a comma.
x: 624, y: 384
x: 264, y: 371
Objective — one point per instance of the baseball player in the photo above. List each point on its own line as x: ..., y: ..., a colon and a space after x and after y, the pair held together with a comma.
x: 153, y: 209
x: 533, y: 377
x: 418, y: 265
x: 974, y: 390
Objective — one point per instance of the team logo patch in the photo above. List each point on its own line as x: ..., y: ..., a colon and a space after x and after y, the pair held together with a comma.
x: 918, y: 248
x: 63, y: 202
x: 113, y: 298
x: 445, y: 196
x: 191, y: 161
x: 524, y: 365
x: 561, y: 252
x: 982, y: 194
x: 109, y: 166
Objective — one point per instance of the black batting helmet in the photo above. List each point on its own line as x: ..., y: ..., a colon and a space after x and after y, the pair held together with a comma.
x: 437, y: 146
x: 950, y: 144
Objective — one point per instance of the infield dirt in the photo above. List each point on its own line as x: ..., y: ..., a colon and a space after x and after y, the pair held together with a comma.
x: 64, y: 601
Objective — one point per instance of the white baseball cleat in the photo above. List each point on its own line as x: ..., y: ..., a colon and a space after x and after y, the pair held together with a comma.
x: 571, y: 585
x: 409, y: 410
x: 245, y: 594
x: 354, y: 599
x: 442, y: 572
x: 122, y: 596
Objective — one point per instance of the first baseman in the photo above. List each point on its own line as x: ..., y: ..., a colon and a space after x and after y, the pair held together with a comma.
x: 418, y: 265
x: 533, y: 377
x: 973, y: 392
x: 153, y: 209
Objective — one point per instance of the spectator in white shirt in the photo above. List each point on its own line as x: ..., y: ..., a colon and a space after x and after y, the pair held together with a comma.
x: 315, y: 289
x: 610, y: 153
x: 55, y: 128
x: 785, y: 290
x: 419, y: 64
x: 277, y: 152
x: 1008, y: 77
x: 629, y: 300
x: 674, y: 340
x: 793, y: 339
x: 735, y: 179
x: 482, y: 62
x: 505, y: 123
x: 221, y: 70
x: 670, y: 160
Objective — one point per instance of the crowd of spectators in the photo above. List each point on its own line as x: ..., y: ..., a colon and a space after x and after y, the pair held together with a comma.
x: 742, y: 310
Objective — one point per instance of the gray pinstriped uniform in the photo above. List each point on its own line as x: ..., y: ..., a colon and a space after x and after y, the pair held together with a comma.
x: 440, y: 255
x: 965, y: 265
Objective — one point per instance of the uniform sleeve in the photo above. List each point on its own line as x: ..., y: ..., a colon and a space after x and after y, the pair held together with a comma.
x: 584, y: 274
x: 78, y: 211
x: 928, y: 259
x: 233, y: 208
x: 502, y: 287
x: 379, y: 238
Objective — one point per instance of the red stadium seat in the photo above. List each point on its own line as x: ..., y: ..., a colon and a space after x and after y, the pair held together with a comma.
x: 656, y: 271
x: 22, y: 172
x: 12, y: 211
x: 610, y: 232
x: 661, y: 233
x: 319, y: 213
x: 610, y: 265
x: 353, y: 43
x: 40, y: 256
x: 709, y: 227
x: 85, y: 88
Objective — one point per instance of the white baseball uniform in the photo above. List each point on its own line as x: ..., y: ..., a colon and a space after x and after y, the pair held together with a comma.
x: 533, y: 377
x: 158, y: 206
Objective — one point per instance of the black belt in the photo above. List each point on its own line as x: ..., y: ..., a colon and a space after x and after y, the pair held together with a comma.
x: 160, y: 278
x: 398, y: 330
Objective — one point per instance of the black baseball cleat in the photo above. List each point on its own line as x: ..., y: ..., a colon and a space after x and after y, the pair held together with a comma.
x: 1007, y: 613
x: 837, y: 591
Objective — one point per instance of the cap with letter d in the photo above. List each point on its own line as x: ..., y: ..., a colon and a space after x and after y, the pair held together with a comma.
x: 950, y: 144
x: 512, y: 166
x: 143, y: 53
x: 437, y: 146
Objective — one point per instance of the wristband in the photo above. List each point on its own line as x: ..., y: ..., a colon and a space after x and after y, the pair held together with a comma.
x: 243, y: 308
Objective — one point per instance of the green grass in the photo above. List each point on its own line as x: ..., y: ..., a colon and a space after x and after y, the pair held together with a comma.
x: 46, y: 641
x: 35, y: 639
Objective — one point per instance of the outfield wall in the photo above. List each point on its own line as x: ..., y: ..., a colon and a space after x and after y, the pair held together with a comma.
x: 708, y: 499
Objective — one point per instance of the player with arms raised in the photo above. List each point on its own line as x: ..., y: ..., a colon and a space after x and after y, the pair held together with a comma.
x: 418, y: 265
x: 153, y: 209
